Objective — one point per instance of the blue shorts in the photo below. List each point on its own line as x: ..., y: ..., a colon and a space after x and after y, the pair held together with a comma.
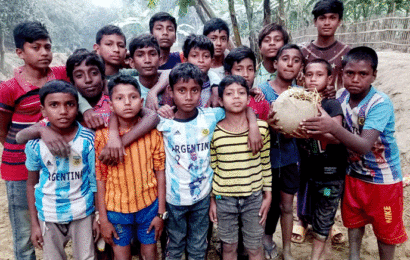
x: 126, y: 224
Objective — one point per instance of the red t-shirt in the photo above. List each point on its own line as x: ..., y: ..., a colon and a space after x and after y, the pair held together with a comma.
x: 261, y: 108
x: 21, y: 99
x: 103, y: 108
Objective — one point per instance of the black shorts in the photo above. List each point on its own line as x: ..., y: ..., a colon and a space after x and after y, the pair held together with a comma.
x: 288, y: 178
x: 325, y: 201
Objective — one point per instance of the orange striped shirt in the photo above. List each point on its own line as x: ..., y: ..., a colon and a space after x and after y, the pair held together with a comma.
x: 132, y: 185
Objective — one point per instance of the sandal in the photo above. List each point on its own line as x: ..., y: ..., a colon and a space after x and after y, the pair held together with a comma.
x: 271, y: 252
x: 298, y: 233
x: 337, y: 236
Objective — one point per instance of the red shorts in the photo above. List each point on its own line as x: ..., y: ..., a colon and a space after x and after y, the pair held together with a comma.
x: 380, y: 205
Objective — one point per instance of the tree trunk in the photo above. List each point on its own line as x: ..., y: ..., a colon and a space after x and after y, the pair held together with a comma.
x: 200, y: 12
x: 208, y: 10
x: 280, y: 18
x: 266, y: 12
x: 252, y: 37
x: 234, y: 23
x: 1, y: 49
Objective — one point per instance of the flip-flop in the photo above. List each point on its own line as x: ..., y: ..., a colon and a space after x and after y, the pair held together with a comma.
x: 300, y: 232
x: 271, y: 252
x: 337, y: 236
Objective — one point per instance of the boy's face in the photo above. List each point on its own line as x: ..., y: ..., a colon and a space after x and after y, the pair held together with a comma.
x: 112, y: 49
x: 316, y: 77
x: 288, y: 64
x: 271, y: 44
x: 186, y: 95
x: 37, y: 54
x: 246, y: 69
x: 61, y: 109
x: 126, y: 102
x: 88, y: 80
x: 235, y: 98
x: 146, y: 61
x: 200, y: 58
x: 358, y: 76
x: 327, y: 24
x: 164, y: 32
x: 220, y: 41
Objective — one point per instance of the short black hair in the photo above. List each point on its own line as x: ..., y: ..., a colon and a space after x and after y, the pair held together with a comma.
x: 142, y: 41
x: 57, y: 86
x: 362, y: 53
x: 122, y: 79
x: 29, y: 32
x: 215, y: 24
x: 290, y: 46
x: 229, y: 80
x: 237, y: 55
x: 328, y: 6
x: 90, y: 58
x: 161, y: 17
x: 320, y: 61
x: 267, y: 29
x: 109, y: 30
x: 185, y: 72
x: 197, y: 41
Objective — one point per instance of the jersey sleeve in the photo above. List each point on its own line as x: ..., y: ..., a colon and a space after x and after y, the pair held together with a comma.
x: 163, y: 124
x: 219, y: 113
x: 379, y: 116
x: 33, y: 162
x: 101, y: 170
x: 214, y: 79
x: 83, y: 104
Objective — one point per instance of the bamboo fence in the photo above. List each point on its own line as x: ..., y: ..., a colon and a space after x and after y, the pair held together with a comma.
x: 379, y: 33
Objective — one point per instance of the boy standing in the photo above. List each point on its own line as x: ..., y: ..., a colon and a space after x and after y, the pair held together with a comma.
x: 20, y: 108
x: 217, y: 31
x: 328, y: 15
x: 373, y: 187
x: 271, y: 38
x: 240, y: 177
x: 60, y: 191
x: 131, y: 195
x: 163, y: 27
x: 322, y: 163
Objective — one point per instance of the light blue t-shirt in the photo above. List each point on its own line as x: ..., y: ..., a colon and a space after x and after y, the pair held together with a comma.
x: 283, y: 150
x: 187, y: 149
x: 65, y: 191
x: 381, y: 165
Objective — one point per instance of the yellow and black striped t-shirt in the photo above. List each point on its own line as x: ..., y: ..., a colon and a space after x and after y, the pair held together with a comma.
x: 236, y: 171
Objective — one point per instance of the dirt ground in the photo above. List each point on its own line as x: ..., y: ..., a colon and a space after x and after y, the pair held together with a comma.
x: 393, y: 78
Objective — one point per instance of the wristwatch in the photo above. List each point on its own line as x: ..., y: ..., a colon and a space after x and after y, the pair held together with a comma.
x: 163, y: 216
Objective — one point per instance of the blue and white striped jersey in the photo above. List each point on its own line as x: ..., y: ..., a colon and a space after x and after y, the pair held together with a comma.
x: 65, y: 191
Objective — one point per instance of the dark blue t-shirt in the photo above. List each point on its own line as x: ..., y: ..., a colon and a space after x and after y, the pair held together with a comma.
x: 173, y: 60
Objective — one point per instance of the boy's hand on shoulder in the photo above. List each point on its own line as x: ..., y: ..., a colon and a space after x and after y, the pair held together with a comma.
x: 54, y: 142
x: 263, y: 212
x: 158, y: 224
x: 321, y: 124
x: 257, y: 94
x: 108, y: 231
x: 36, y: 236
x: 214, y: 98
x: 113, y: 152
x: 212, y: 211
x: 255, y: 142
x: 166, y: 111
x: 93, y: 120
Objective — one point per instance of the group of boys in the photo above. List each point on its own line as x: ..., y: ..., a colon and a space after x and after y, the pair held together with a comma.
x: 139, y: 173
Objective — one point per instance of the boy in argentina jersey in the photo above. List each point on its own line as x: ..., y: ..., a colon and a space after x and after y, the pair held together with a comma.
x: 61, y: 189
x: 188, y: 173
